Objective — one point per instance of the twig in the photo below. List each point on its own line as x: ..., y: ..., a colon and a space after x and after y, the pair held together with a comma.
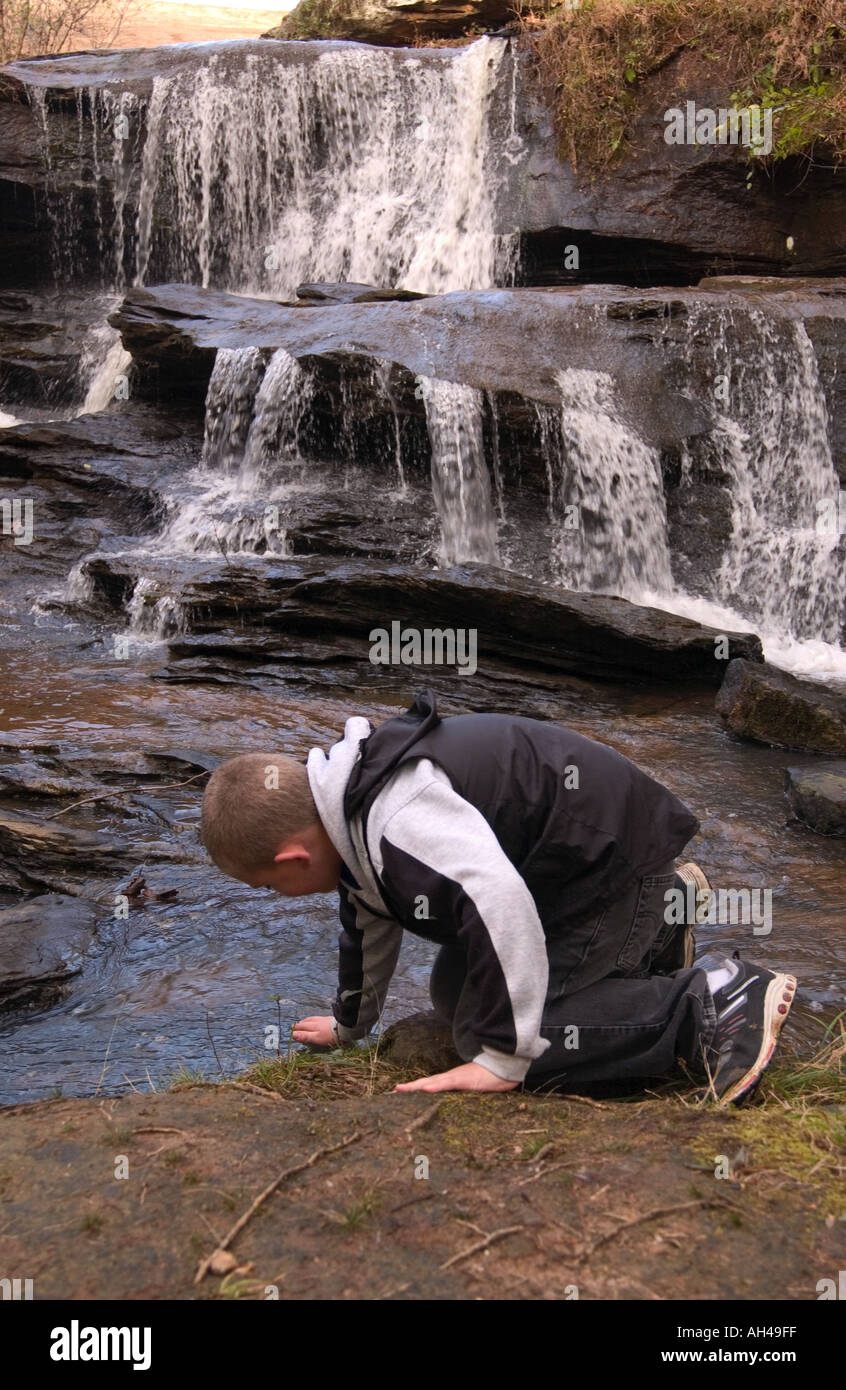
x: 221, y: 545
x: 269, y: 1191
x: 541, y: 1153
x: 481, y: 1245
x: 169, y: 1148
x: 106, y: 1058
x: 214, y: 1049
x: 238, y: 1086
x: 256, y: 1090
x: 650, y: 1216
x: 392, y: 1293
x: 124, y: 791
x: 410, y: 1201
x: 424, y: 1119
x: 586, y: 1100
x: 552, y: 1167
x: 158, y: 1129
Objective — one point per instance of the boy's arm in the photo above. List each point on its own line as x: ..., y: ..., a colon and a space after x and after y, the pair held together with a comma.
x: 369, y: 946
x: 440, y: 847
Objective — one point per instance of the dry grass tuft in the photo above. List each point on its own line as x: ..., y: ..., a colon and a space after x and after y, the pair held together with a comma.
x: 597, y: 66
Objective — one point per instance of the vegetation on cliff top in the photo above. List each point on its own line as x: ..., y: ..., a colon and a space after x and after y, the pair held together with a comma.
x: 598, y: 67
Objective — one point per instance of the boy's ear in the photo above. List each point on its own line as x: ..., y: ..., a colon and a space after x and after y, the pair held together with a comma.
x: 292, y: 852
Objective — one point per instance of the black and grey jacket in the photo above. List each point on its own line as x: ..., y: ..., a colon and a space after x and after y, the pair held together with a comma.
x: 486, y: 829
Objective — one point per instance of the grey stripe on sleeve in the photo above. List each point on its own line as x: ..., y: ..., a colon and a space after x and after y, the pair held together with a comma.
x: 422, y: 816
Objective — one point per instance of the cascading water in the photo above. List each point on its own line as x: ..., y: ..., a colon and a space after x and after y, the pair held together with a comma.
x: 280, y: 408
x: 263, y: 167
x: 357, y: 165
x: 152, y: 616
x: 251, y: 458
x: 230, y: 399
x: 782, y: 567
x: 104, y: 360
x: 460, y: 482
x: 258, y: 169
x: 606, y: 496
x: 109, y: 126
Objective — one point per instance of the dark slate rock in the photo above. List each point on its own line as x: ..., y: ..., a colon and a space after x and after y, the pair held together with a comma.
x: 818, y: 796
x: 759, y: 702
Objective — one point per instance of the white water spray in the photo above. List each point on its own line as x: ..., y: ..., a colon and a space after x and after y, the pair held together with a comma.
x: 460, y: 480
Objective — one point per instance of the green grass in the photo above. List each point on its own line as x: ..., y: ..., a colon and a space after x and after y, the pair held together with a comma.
x: 185, y: 1076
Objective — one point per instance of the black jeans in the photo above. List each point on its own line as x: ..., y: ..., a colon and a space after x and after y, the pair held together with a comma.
x: 607, y: 1017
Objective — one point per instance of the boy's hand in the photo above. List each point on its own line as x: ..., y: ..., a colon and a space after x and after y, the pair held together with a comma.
x: 469, y: 1077
x: 315, y: 1030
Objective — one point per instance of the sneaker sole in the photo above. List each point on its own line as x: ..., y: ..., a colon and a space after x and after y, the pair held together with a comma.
x: 691, y: 873
x: 780, y: 995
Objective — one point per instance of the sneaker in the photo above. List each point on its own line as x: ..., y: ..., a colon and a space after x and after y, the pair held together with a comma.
x: 679, y: 952
x: 752, y: 1007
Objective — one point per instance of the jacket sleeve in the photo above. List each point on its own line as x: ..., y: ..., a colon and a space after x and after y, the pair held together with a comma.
x: 369, y: 947
x: 438, y: 855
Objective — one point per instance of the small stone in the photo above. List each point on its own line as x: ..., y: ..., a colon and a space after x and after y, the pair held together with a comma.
x: 222, y: 1262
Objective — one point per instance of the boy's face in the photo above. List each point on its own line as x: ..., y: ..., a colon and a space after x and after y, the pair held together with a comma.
x: 306, y: 863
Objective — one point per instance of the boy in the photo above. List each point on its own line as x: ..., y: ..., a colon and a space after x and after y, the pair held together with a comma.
x: 539, y: 861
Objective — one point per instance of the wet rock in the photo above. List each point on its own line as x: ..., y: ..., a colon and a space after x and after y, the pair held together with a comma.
x: 421, y: 1040
x: 43, y: 339
x: 46, y: 853
x: 86, y: 478
x: 350, y: 293
x: 759, y: 702
x: 818, y: 796
x: 36, y: 777
x: 509, y: 344
x: 518, y: 621
x: 42, y: 943
x: 394, y: 23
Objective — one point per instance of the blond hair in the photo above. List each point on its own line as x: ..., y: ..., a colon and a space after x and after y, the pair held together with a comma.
x: 252, y: 805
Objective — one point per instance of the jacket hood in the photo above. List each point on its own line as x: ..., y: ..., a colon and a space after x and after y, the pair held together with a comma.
x: 328, y: 775
x: 392, y: 741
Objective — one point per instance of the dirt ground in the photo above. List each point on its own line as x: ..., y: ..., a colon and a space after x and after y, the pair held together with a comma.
x: 382, y: 1195
x: 153, y: 22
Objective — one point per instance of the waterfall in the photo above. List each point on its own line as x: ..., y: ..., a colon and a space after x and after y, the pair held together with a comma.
x: 257, y: 167
x: 350, y: 164
x: 104, y: 360
x: 109, y: 127
x: 230, y: 399
x: 382, y: 390
x: 280, y: 408
x: 251, y: 458
x: 153, y: 616
x: 781, y: 568
x: 606, y: 495
x: 460, y: 481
